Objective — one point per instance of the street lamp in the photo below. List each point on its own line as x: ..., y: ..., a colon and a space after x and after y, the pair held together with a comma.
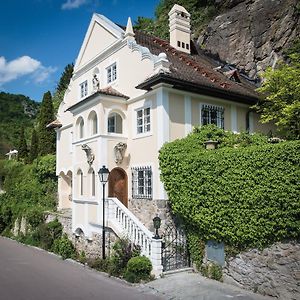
x: 156, y: 225
x: 103, y: 177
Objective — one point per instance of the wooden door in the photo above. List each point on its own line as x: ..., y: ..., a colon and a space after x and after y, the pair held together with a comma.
x: 118, y: 185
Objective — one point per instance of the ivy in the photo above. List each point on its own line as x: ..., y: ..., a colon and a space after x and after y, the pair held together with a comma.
x: 245, y: 194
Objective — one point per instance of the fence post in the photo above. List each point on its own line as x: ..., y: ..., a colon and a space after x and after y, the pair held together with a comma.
x: 156, y: 247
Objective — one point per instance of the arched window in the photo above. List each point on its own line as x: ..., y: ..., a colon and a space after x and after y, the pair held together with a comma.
x: 93, y: 183
x: 80, y: 128
x: 114, y: 123
x: 93, y: 120
x: 80, y: 182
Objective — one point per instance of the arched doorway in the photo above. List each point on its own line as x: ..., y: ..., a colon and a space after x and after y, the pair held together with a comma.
x: 117, y: 186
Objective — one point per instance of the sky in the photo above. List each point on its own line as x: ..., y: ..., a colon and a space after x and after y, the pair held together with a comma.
x: 38, y: 38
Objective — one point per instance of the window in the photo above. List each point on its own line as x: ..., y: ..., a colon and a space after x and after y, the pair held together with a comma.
x: 142, y: 183
x: 81, y: 129
x: 80, y: 182
x: 93, y: 122
x: 114, y: 123
x: 111, y: 73
x: 182, y: 44
x: 93, y: 177
x: 211, y: 114
x: 143, y: 120
x: 83, y: 89
x: 187, y: 46
x: 178, y: 43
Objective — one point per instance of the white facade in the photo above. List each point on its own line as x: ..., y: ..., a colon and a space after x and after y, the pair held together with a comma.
x: 106, y: 120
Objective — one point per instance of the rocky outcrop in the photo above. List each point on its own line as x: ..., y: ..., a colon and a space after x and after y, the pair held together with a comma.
x: 275, y: 271
x: 253, y: 33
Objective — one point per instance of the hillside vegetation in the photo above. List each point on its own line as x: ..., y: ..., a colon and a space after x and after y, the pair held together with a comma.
x: 16, y: 112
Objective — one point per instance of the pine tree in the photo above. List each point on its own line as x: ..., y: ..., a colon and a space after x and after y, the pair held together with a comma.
x: 46, y: 136
x: 65, y: 78
x: 22, y: 148
x: 34, y: 149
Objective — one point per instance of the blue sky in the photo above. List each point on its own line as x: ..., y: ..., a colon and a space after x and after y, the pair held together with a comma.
x: 38, y: 38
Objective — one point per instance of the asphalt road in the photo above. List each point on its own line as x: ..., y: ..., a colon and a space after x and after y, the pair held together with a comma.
x: 27, y: 273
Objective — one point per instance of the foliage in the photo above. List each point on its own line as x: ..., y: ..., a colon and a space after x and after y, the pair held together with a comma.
x: 22, y: 146
x: 244, y: 196
x: 16, y: 111
x: 201, y: 13
x: 138, y: 268
x: 64, y: 247
x: 29, y: 190
x: 46, y: 136
x: 123, y: 250
x: 281, y: 102
x: 212, y: 270
x: 65, y: 78
x: 99, y: 264
x: 62, y: 86
x: 34, y: 147
x: 196, y: 248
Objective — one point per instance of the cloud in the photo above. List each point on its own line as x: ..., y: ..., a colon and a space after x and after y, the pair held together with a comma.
x: 21, y: 66
x: 71, y: 4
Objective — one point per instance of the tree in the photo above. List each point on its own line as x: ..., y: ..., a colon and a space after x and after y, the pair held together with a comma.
x: 65, y: 78
x: 62, y: 85
x: 22, y: 148
x: 46, y: 136
x: 281, y: 101
x: 34, y: 147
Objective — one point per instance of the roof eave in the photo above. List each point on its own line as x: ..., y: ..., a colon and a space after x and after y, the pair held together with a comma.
x: 196, y: 88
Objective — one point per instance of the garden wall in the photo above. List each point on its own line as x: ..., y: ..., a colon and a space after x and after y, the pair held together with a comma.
x: 275, y: 271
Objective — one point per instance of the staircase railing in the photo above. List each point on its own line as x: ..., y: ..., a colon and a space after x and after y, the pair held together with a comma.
x: 125, y: 223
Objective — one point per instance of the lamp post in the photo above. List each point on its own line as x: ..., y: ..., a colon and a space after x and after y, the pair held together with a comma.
x: 156, y: 225
x: 103, y: 177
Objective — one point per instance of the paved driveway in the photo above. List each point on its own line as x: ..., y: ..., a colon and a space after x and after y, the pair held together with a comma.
x: 27, y: 273
x: 188, y: 286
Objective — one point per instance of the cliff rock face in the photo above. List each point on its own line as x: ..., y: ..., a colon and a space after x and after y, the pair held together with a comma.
x: 252, y: 34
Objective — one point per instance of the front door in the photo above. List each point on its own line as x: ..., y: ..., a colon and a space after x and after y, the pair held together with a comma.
x: 118, y: 185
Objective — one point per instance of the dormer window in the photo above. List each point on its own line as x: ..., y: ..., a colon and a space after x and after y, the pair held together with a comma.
x: 111, y: 73
x: 83, y: 89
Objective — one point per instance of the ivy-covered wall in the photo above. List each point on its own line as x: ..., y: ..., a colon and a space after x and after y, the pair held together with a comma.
x: 245, y: 194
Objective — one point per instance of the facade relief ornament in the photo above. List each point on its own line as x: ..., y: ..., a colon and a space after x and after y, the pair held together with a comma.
x: 96, y: 83
x: 88, y: 151
x: 119, y: 151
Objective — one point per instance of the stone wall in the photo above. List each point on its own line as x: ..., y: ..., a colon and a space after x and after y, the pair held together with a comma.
x: 92, y: 247
x: 145, y: 210
x: 275, y: 271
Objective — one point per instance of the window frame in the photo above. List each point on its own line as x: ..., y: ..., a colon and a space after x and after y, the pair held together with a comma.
x: 143, y: 125
x: 142, y: 182
x: 112, y: 70
x: 83, y: 89
x: 220, y: 114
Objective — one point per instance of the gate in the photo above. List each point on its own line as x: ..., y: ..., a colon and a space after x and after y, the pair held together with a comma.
x: 174, y: 248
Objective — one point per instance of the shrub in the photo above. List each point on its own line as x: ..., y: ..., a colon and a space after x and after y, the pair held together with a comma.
x: 212, y: 270
x: 99, y: 264
x: 64, y: 247
x: 244, y: 194
x: 138, y: 268
x: 123, y: 250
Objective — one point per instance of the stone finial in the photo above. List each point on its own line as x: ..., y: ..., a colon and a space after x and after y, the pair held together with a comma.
x: 162, y: 64
x: 129, y: 30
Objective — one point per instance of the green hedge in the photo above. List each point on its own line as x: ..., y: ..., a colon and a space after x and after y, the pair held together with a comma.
x: 246, y: 193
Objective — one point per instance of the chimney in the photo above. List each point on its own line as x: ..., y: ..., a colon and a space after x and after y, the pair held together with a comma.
x: 180, y: 33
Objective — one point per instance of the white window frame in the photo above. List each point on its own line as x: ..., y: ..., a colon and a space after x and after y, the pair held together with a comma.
x: 144, y: 124
x: 220, y: 110
x: 83, y: 89
x: 111, y: 116
x: 111, y: 73
x: 142, y: 182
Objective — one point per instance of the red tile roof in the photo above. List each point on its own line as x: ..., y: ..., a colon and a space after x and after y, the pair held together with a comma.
x: 196, y: 69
